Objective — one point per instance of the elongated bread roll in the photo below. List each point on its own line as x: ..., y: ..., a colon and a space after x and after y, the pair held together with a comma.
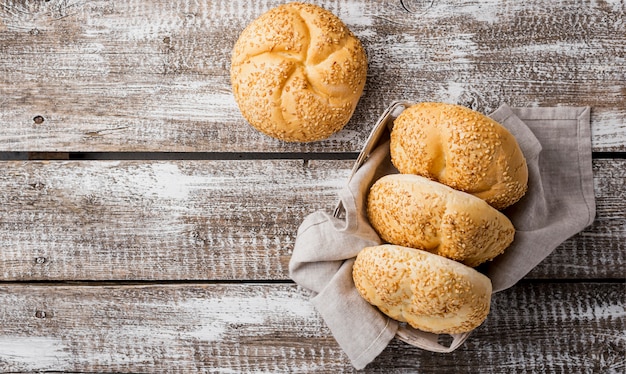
x: 460, y: 148
x: 429, y: 292
x: 297, y: 73
x: 416, y: 212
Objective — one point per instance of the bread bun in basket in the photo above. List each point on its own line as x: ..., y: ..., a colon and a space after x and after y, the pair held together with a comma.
x: 416, y: 212
x: 297, y: 73
x: 461, y: 148
x: 429, y: 292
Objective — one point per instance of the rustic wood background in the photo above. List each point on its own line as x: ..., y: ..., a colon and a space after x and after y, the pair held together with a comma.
x: 146, y: 227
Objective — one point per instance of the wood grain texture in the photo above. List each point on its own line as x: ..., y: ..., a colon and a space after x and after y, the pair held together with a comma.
x: 550, y: 328
x: 216, y: 220
x: 143, y: 75
x: 535, y: 328
x: 153, y: 76
x: 158, y: 220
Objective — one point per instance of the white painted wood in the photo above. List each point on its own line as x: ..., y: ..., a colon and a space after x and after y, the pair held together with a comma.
x: 215, y: 220
x: 273, y: 328
x: 158, y: 220
x: 143, y: 75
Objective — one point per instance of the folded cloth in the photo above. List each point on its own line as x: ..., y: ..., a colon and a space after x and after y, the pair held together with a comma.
x: 559, y: 203
x: 560, y: 200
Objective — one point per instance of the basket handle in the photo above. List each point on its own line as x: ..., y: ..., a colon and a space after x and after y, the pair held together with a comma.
x: 383, y: 122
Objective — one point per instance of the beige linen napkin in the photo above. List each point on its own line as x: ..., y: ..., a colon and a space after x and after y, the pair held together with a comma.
x: 559, y: 203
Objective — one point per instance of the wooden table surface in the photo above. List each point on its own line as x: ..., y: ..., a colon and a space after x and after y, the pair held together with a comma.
x: 146, y: 227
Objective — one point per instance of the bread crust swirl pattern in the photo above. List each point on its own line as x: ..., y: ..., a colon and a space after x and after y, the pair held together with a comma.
x: 297, y: 73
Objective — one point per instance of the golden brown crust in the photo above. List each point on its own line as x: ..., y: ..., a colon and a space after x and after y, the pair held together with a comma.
x: 461, y: 148
x: 413, y: 211
x: 429, y: 292
x: 297, y: 73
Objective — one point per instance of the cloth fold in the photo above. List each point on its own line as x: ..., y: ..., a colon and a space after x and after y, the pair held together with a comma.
x: 322, y: 261
x: 559, y: 203
x: 560, y: 200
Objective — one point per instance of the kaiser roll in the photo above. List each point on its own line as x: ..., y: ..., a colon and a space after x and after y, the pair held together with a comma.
x: 461, y: 148
x: 413, y: 211
x: 297, y: 73
x: 429, y: 292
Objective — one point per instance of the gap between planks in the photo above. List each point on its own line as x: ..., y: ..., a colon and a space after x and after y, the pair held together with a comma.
x: 165, y: 156
x: 142, y: 283
x: 268, y: 282
x: 170, y: 156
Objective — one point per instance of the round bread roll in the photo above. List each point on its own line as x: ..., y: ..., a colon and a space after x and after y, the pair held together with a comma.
x: 416, y: 212
x: 461, y: 148
x: 429, y: 292
x: 297, y: 73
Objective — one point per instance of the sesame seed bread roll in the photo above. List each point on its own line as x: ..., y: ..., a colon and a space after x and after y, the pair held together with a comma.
x: 460, y: 148
x: 297, y: 73
x: 429, y: 292
x: 413, y: 211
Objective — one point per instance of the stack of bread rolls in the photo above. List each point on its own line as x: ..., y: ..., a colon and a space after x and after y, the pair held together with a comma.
x: 441, y: 217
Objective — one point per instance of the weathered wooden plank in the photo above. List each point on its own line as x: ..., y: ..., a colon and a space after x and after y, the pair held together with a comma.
x: 212, y: 220
x: 145, y: 75
x: 273, y: 328
x: 535, y: 328
x: 158, y: 220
